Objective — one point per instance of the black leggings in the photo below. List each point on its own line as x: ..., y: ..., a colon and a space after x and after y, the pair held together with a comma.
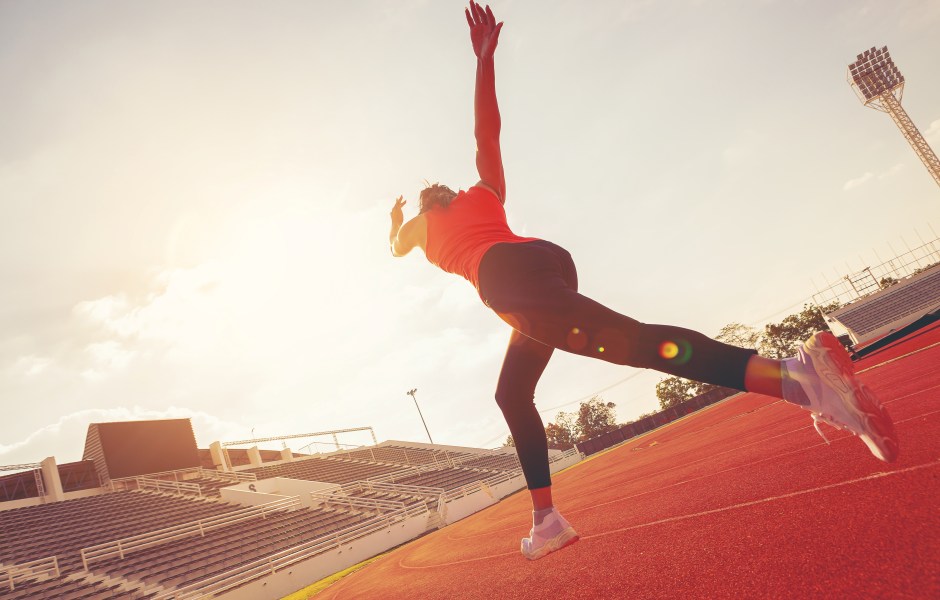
x: 533, y: 286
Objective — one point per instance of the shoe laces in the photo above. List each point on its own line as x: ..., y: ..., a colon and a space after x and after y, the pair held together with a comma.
x: 822, y: 418
x: 817, y: 418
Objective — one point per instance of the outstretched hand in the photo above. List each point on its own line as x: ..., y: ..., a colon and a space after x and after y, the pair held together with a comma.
x: 484, y: 30
x: 398, y: 217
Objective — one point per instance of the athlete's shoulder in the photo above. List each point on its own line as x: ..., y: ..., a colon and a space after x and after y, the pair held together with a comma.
x: 484, y: 188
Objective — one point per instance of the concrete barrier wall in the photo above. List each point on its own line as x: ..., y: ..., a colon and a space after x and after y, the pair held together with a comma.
x: 458, y: 508
x: 302, y: 574
x: 565, y: 463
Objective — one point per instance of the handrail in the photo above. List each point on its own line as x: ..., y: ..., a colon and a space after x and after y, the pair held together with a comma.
x: 353, y: 501
x: 142, y: 541
x: 394, y: 475
x: 418, y: 490
x: 25, y: 570
x: 162, y: 485
x: 259, y: 568
x: 569, y: 452
x: 237, y: 476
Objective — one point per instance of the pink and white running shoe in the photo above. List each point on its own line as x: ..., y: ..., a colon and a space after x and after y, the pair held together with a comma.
x: 553, y: 533
x: 821, y: 379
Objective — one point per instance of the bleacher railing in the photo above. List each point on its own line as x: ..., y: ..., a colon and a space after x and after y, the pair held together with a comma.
x: 237, y: 476
x: 270, y: 565
x: 13, y: 574
x: 179, y: 476
x: 870, y: 279
x: 494, y: 454
x: 342, y: 500
x: 399, y: 488
x: 124, y: 546
x: 162, y: 485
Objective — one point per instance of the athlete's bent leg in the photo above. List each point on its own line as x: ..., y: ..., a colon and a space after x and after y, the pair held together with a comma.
x: 523, y: 365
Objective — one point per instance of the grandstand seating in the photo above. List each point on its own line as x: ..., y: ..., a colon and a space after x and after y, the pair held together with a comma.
x: 210, y: 486
x: 64, y: 528
x: 62, y: 588
x: 446, y: 479
x: 146, y: 535
x: 326, y: 469
x: 493, y: 462
x: 891, y: 308
x: 181, y: 562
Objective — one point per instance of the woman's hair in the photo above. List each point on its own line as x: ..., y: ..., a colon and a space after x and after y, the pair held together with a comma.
x: 433, y: 195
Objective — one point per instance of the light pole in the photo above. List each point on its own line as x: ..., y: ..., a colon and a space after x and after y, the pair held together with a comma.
x: 412, y: 393
x: 880, y: 85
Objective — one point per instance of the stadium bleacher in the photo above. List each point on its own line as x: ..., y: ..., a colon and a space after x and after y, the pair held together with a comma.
x: 62, y: 529
x: 114, y: 529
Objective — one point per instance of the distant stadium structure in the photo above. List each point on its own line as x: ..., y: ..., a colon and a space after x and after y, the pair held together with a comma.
x: 880, y: 85
x: 883, y: 299
x: 149, y: 515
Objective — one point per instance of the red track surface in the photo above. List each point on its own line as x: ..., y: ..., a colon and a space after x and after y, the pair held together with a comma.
x: 743, y: 499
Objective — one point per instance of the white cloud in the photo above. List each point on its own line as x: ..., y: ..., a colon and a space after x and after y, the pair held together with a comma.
x: 65, y: 438
x: 31, y: 365
x: 854, y: 183
x: 891, y: 172
x: 869, y: 176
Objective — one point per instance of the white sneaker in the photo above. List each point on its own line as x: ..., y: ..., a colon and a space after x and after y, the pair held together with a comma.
x: 822, y: 380
x: 553, y: 533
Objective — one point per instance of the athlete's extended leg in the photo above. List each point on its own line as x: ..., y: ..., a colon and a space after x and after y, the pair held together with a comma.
x: 525, y: 285
x: 533, y: 287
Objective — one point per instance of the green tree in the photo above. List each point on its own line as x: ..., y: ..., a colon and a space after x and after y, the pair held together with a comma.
x: 782, y: 339
x: 739, y: 335
x: 509, y: 442
x: 595, y: 417
x: 675, y: 390
x: 561, y: 433
x: 887, y: 282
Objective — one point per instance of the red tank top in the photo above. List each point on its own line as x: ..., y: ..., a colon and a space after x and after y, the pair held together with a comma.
x: 459, y: 234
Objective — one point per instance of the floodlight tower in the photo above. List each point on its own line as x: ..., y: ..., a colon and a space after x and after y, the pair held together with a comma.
x: 879, y: 85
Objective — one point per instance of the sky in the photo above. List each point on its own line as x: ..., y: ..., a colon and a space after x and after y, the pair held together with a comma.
x: 195, y: 197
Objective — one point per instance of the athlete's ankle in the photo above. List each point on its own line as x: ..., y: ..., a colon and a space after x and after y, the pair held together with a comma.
x: 764, y: 376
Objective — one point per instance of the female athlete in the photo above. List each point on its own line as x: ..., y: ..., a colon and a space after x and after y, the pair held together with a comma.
x: 533, y: 286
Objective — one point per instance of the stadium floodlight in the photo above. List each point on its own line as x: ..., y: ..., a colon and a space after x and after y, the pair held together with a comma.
x: 412, y: 393
x: 879, y: 84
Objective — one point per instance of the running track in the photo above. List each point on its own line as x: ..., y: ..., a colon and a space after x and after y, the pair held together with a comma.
x: 740, y: 500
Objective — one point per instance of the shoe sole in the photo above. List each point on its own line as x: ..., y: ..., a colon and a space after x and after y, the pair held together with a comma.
x: 562, y: 540
x: 835, y: 368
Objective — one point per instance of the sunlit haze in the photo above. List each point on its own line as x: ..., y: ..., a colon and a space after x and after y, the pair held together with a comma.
x: 195, y: 197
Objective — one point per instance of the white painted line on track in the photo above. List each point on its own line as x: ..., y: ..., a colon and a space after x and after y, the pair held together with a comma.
x: 879, y: 475
x: 832, y: 439
x: 873, y: 476
x: 897, y: 358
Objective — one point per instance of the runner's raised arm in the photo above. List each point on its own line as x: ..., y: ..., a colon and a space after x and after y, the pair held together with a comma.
x: 484, y: 34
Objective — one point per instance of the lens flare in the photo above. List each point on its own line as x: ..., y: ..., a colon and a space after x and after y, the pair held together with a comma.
x: 676, y: 351
x: 577, y: 339
x: 668, y: 350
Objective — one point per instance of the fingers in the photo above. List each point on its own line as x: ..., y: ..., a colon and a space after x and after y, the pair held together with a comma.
x: 480, y: 16
x: 475, y: 11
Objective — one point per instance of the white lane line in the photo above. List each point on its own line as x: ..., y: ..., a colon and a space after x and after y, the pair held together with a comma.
x: 832, y: 438
x: 835, y: 437
x: 873, y: 476
x: 887, y: 362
